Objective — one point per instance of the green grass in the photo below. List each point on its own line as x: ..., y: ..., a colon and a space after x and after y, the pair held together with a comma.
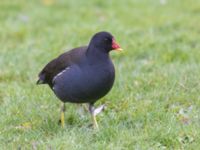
x: 155, y: 102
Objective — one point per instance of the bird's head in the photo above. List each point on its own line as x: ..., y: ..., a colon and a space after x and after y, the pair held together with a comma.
x: 104, y: 41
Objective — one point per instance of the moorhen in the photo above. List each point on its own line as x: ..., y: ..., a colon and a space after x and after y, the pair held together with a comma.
x: 82, y: 75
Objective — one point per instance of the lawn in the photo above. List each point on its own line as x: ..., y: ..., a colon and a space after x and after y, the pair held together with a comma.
x: 155, y: 102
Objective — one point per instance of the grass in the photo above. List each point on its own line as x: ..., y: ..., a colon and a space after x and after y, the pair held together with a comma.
x: 155, y: 103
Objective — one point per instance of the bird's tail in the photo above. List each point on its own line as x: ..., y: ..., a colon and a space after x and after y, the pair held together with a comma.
x: 41, y: 79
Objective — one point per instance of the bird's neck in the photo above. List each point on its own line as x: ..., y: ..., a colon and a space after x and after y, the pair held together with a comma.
x: 97, y: 54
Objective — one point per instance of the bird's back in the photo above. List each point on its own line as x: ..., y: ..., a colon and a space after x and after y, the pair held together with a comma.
x: 59, y: 64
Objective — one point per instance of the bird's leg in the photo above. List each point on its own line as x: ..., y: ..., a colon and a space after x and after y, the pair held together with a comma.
x: 62, y: 115
x: 94, y: 112
x: 92, y: 109
x: 82, y: 109
x: 85, y: 107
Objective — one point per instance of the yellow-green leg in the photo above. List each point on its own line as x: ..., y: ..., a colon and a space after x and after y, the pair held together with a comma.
x: 94, y: 112
x: 62, y: 115
x: 95, y: 124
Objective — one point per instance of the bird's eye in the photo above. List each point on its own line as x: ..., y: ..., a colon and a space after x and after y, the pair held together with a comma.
x: 107, y: 39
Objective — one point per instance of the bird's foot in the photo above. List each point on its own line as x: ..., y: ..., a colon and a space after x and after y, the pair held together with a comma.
x: 99, y: 109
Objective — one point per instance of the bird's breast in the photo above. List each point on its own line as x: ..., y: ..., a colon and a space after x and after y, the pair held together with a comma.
x: 97, y: 80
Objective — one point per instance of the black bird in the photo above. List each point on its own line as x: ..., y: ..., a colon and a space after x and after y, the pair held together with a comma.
x: 82, y: 75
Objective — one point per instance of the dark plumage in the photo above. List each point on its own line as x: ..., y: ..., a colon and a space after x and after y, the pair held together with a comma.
x: 84, y: 74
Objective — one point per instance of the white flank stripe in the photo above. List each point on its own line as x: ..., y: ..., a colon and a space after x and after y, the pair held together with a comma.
x: 60, y: 74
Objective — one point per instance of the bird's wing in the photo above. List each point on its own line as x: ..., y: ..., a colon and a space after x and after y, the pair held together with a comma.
x: 58, y: 64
